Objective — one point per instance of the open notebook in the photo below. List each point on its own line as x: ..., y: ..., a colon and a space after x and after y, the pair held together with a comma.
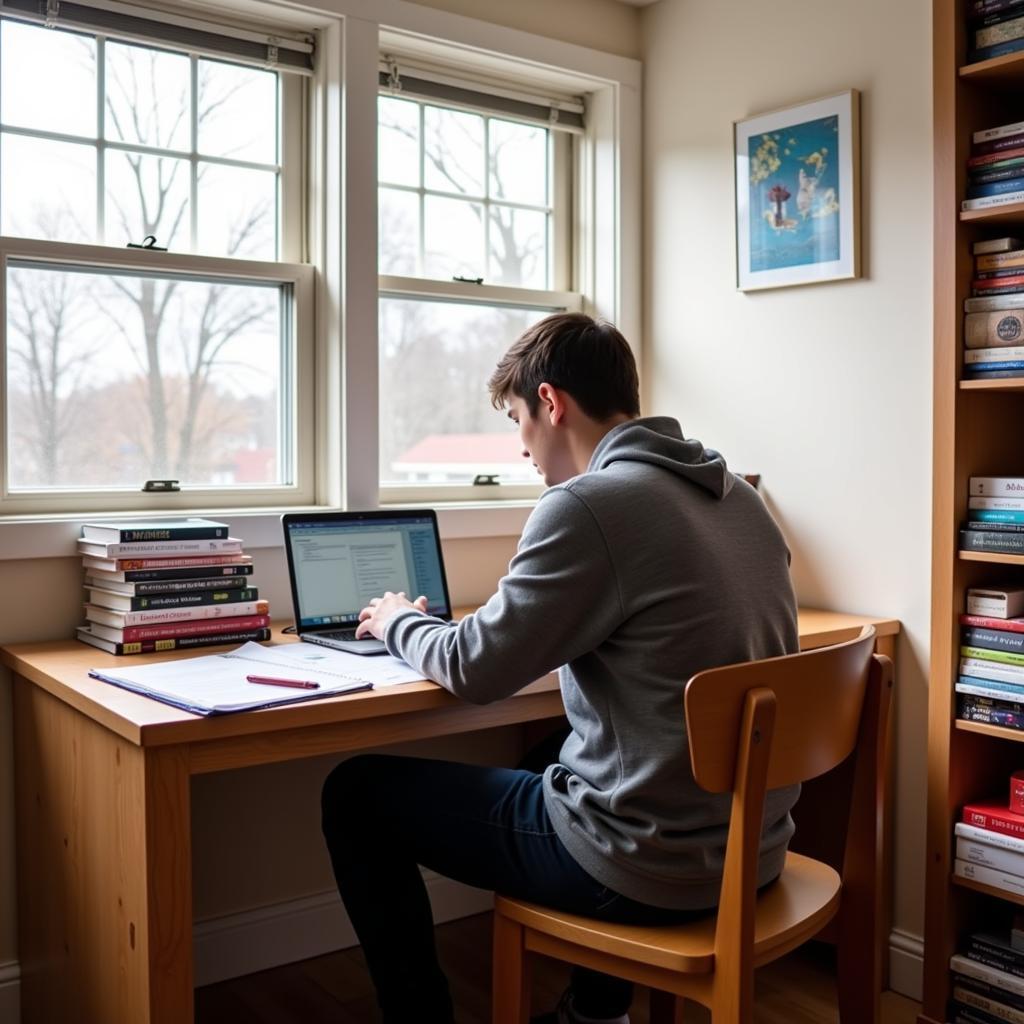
x: 216, y: 684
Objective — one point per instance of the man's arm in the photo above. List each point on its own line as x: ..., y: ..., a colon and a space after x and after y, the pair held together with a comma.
x: 559, y: 600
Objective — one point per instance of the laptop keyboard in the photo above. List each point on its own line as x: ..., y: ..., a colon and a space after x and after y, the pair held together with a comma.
x: 339, y: 634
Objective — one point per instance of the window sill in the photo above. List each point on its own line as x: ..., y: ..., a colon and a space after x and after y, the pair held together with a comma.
x: 23, y: 538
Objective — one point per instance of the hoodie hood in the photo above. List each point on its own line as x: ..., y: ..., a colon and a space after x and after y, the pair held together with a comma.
x: 659, y: 441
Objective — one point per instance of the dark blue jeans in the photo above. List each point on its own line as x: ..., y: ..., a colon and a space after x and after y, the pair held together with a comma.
x: 488, y: 827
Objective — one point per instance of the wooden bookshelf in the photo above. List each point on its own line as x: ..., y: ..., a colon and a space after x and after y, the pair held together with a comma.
x: 976, y: 432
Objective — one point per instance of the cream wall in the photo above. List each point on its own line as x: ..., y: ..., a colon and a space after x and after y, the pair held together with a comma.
x: 825, y: 389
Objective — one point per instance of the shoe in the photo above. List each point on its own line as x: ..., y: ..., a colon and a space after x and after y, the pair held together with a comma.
x: 564, y: 1014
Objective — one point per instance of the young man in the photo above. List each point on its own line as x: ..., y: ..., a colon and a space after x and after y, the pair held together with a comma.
x: 644, y: 562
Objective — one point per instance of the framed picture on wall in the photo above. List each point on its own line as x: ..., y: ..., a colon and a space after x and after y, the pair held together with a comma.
x: 797, y: 194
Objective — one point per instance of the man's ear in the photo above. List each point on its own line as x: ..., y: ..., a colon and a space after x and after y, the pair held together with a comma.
x: 552, y: 401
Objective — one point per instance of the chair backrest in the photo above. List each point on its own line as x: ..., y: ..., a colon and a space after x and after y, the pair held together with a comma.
x: 818, y: 696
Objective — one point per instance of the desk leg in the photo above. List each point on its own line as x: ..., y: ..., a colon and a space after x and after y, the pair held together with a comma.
x: 104, y: 871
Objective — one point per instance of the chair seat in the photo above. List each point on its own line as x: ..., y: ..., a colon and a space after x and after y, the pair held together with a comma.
x: 789, y: 912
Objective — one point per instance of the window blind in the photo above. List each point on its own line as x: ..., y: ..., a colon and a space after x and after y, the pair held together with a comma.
x: 284, y: 52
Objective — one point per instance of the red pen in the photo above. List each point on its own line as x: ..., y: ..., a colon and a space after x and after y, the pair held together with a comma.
x: 298, y: 684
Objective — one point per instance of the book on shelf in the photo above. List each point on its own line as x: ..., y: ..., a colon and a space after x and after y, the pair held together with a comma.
x: 995, y: 515
x: 986, y: 989
x: 996, y: 502
x: 1001, y: 1011
x: 982, y: 9
x: 995, y: 260
x: 994, y: 527
x: 162, y: 548
x: 165, y: 577
x: 995, y: 245
x: 1004, y: 199
x: 984, y: 356
x: 986, y: 948
x: 1000, y: 273
x: 981, y: 835
x: 1003, y: 49
x: 993, y: 332
x: 977, y: 283
x: 989, y: 876
x: 182, y: 599
x: 998, y: 602
x: 180, y: 643
x: 166, y: 630
x: 154, y: 530
x: 996, y: 656
x: 996, y: 486
x: 981, y: 189
x: 1001, y: 981
x: 191, y: 562
x: 975, y: 373
x: 999, y: 145
x: 993, y: 639
x: 997, y: 172
x: 989, y: 668
x: 994, y: 816
x: 120, y: 618
x: 1014, y: 625
x: 992, y: 542
x: 990, y: 688
x: 989, y: 711
x: 988, y: 159
x: 993, y: 303
x: 999, y: 31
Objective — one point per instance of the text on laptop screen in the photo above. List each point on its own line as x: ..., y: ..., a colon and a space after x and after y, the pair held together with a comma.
x: 339, y: 566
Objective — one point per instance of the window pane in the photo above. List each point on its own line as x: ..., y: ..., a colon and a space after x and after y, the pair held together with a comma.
x: 519, y: 247
x: 453, y: 238
x: 399, y: 231
x: 237, y: 212
x: 437, y: 423
x: 518, y: 162
x: 144, y: 377
x: 453, y: 151
x: 237, y: 112
x: 148, y: 97
x: 47, y: 189
x: 398, y: 141
x: 47, y: 79
x: 147, y: 195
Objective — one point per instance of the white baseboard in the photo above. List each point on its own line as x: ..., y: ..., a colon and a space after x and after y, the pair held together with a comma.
x: 254, y: 940
x: 10, y: 991
x: 906, y: 964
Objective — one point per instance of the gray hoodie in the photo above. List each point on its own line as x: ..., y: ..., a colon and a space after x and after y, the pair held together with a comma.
x: 653, y: 565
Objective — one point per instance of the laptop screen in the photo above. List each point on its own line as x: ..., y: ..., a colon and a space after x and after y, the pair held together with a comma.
x: 338, y: 562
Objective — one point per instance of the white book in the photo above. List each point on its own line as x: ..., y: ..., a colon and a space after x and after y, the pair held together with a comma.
x: 160, y: 548
x: 989, y: 876
x: 990, y: 838
x: 993, y: 355
x: 1007, y: 486
x: 1003, y: 199
x: 1001, y: 604
x: 115, y: 617
x: 1007, y: 504
x: 984, y: 689
x: 1001, y: 132
x: 991, y: 857
x: 978, y: 668
x: 993, y: 303
x: 982, y: 972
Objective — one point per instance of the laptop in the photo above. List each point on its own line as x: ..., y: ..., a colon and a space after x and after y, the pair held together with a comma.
x: 337, y: 561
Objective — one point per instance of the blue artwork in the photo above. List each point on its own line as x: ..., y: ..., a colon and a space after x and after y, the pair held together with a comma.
x: 794, y: 195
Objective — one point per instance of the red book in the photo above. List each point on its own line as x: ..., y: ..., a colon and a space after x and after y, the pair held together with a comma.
x: 991, y: 158
x: 994, y: 816
x: 985, y: 622
x: 185, y: 562
x: 980, y: 283
x: 164, y: 630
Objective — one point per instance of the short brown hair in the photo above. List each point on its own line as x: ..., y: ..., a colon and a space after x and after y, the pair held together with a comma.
x: 585, y: 357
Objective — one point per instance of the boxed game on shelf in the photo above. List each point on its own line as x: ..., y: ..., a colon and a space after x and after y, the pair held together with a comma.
x: 167, y: 585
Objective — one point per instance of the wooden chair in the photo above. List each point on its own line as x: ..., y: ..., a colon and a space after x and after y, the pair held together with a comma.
x: 752, y: 727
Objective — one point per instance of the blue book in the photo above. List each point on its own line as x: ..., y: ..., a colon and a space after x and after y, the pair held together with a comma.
x: 995, y: 188
x: 991, y: 515
x: 970, y: 374
x: 995, y: 50
x: 1007, y: 364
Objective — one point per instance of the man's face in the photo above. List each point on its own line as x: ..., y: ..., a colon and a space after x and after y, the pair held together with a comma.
x: 541, y: 441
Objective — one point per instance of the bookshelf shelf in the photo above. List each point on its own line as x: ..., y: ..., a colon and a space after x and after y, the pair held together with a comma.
x: 1009, y: 384
x: 1009, y: 214
x: 1013, y: 735
x: 1007, y: 69
x: 991, y: 556
x: 988, y: 890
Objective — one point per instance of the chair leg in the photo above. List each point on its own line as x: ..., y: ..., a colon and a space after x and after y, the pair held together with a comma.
x: 859, y: 977
x: 666, y: 1008
x: 510, y: 988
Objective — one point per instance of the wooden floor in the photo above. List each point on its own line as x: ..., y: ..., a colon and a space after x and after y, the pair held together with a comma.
x: 335, y: 989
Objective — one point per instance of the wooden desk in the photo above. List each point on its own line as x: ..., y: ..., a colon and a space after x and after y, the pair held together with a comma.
x: 104, y: 854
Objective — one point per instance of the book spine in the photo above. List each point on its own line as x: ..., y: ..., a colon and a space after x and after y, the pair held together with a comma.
x: 999, y: 32
x: 992, y: 541
x: 992, y: 622
x: 996, y: 486
x: 171, y: 548
x: 996, y: 527
x: 1003, y: 959
x: 993, y: 330
x: 205, y: 574
x: 1000, y: 272
x: 996, y: 839
x: 183, y: 532
x: 1006, y: 281
x: 998, y: 145
x: 986, y: 988
x: 970, y: 1015
x: 192, y: 599
x: 1007, y: 364
x: 187, y: 642
x: 995, y: 260
x: 193, y: 614
x: 983, y: 1002
x: 968, y: 685
x: 1004, y: 199
x: 990, y: 245
x: 995, y: 515
x: 991, y: 857
x: 995, y: 50
x: 1000, y: 656
x: 983, y: 668
x: 988, y: 716
x: 987, y: 8
x: 987, y: 159
x: 993, y: 820
x: 973, y: 374
x: 983, y: 358
x: 993, y: 172
x: 989, y: 603
x: 169, y: 588
x: 994, y: 639
x: 181, y: 629
x: 993, y: 304
x: 193, y: 562
x: 978, y: 190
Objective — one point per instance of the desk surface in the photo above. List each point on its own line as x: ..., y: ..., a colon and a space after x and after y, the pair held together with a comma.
x: 61, y: 668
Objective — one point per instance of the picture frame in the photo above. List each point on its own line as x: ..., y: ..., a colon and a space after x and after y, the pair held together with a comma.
x: 798, y: 194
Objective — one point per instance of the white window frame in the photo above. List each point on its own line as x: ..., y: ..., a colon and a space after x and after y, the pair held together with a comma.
x: 292, y: 237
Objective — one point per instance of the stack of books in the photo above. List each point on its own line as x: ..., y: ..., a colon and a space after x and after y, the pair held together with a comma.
x: 994, y: 324
x: 168, y: 584
x: 997, y: 28
x: 995, y: 168
x: 988, y: 980
x: 990, y: 687
x: 995, y: 515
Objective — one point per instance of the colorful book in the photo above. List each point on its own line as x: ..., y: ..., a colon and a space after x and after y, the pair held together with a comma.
x: 993, y: 639
x: 987, y: 711
x: 981, y: 284
x: 164, y: 548
x: 985, y: 515
x: 170, y: 588
x: 136, y: 531
x: 984, y: 356
x: 1003, y: 49
x: 977, y: 190
x: 166, y: 630
x: 994, y: 622
x: 972, y: 373
x: 1000, y: 657
x: 992, y: 541
x: 181, y: 643
x: 163, y: 577
x: 998, y: 145
x: 994, y: 158
x: 996, y: 486
x: 134, y: 603
x: 162, y: 564
x: 994, y: 816
x: 118, y: 617
x: 999, y: 32
x: 1007, y: 365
